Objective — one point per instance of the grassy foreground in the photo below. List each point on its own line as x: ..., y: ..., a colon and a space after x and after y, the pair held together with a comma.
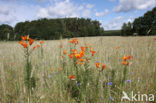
x: 60, y: 78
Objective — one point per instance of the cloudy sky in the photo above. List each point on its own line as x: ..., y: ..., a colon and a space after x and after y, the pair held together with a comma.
x: 111, y: 13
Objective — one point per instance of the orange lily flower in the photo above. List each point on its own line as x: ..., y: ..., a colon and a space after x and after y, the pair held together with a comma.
x: 81, y: 63
x: 52, y: 69
x: 25, y: 45
x: 118, y: 47
x: 70, y: 55
x: 70, y: 41
x: 125, y: 63
x: 81, y: 60
x: 21, y: 42
x: 64, y: 52
x: 78, y: 56
x: 97, y: 64
x: 31, y: 41
x: 24, y: 37
x: 75, y: 40
x: 37, y: 45
x: 104, y: 66
x: 124, y: 58
x: 41, y: 42
x: 93, y: 52
x: 81, y: 53
x: 83, y: 48
x: 72, y: 77
x: 130, y: 57
x: 74, y: 51
x: 34, y: 47
x: 61, y: 68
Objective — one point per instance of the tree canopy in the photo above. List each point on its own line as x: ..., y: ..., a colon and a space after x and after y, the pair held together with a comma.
x: 144, y: 25
x: 55, y: 28
x: 6, y: 32
x: 49, y: 29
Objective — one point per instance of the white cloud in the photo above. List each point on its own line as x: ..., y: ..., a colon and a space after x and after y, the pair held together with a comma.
x: 6, y: 20
x: 81, y: 7
x: 130, y: 19
x: 4, y: 10
x: 42, y: 13
x: 5, y: 15
x: 114, y: 24
x: 89, y: 6
x: 12, y: 12
x: 65, y: 9
x: 117, y: 22
x: 119, y: 18
x: 86, y: 13
x: 102, y: 13
x: 67, y: 0
x: 128, y: 5
x: 41, y: 0
x: 112, y: 0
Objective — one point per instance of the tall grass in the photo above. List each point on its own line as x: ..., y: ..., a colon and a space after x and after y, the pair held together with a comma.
x: 60, y: 79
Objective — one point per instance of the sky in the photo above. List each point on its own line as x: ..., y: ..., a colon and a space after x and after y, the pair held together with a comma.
x: 111, y: 13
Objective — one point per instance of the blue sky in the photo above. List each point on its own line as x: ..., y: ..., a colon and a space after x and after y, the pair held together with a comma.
x: 111, y: 13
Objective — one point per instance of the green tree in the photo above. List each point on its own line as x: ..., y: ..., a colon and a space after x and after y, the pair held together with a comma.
x: 124, y: 29
x: 6, y: 32
x: 62, y: 27
x: 145, y: 25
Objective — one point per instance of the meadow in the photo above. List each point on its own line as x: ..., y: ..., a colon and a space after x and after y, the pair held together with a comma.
x: 82, y: 70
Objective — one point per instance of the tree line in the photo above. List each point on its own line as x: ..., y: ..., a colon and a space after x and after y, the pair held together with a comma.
x: 144, y: 25
x: 50, y: 29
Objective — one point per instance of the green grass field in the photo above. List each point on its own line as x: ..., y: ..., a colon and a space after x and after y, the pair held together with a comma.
x: 112, y: 33
x: 52, y: 70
